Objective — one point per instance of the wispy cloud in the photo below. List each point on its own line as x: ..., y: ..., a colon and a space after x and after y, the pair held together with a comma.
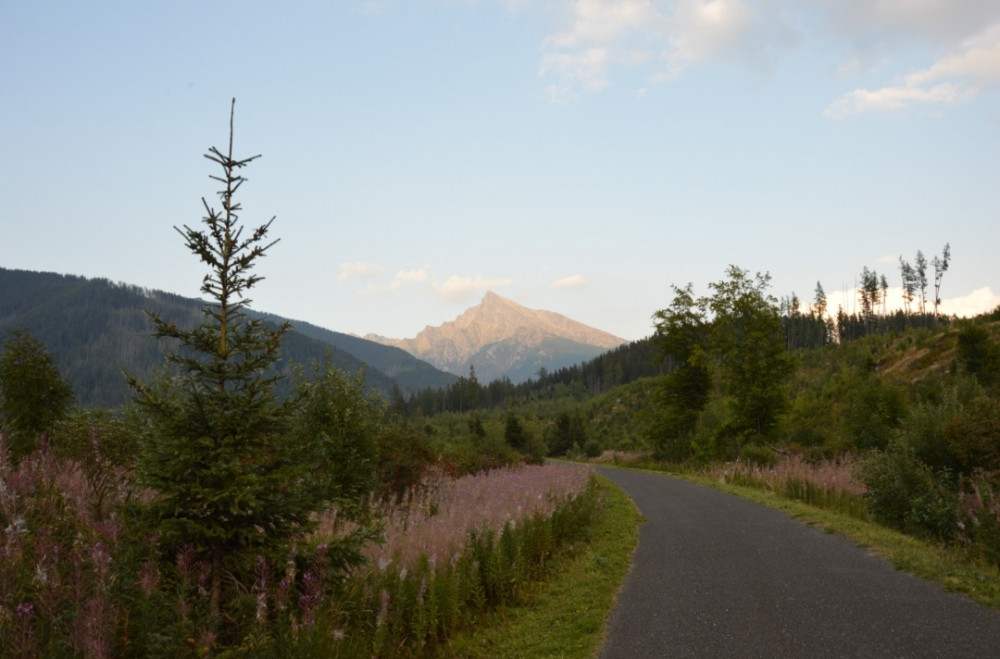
x: 359, y: 270
x: 457, y: 288
x: 599, y: 34
x: 666, y: 38
x: 410, y: 277
x: 957, y: 77
x: 573, y: 281
x: 701, y: 31
x: 422, y: 280
x: 593, y: 40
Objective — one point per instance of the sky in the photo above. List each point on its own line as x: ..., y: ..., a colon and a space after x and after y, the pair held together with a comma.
x: 576, y: 156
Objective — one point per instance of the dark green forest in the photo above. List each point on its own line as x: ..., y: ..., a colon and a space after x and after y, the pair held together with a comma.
x: 95, y: 328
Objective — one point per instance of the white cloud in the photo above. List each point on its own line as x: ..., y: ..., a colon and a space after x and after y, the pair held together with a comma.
x: 960, y: 41
x: 573, y: 281
x: 457, y: 289
x: 860, y: 101
x: 359, y: 270
x: 421, y: 280
x: 600, y: 34
x: 957, y: 77
x: 979, y: 301
x: 405, y: 277
x: 588, y: 67
x: 977, y: 60
x: 604, y: 22
x: 703, y: 30
x: 666, y: 37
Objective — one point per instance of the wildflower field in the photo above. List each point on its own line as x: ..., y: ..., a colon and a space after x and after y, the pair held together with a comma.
x: 829, y: 484
x: 79, y: 575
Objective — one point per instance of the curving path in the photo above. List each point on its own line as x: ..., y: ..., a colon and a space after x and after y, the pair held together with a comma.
x: 719, y: 576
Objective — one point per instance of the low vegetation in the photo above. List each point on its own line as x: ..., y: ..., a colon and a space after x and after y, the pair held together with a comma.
x: 81, y: 576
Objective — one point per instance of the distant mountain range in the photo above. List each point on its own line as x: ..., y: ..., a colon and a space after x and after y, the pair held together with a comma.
x: 95, y: 329
x: 502, y: 338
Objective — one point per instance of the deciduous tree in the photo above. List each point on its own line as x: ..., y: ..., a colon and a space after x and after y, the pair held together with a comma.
x: 681, y: 333
x: 33, y: 395
x: 746, y: 340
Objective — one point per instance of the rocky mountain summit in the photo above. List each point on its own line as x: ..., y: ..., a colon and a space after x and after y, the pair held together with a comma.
x: 502, y: 338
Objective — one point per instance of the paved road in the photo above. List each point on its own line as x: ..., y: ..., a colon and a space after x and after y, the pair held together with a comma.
x: 718, y: 576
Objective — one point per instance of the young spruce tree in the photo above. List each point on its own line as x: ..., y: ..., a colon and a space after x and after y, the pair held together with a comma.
x: 227, y: 481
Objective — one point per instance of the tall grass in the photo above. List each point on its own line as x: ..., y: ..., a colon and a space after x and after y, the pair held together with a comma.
x: 830, y: 484
x: 457, y: 549
x: 80, y: 577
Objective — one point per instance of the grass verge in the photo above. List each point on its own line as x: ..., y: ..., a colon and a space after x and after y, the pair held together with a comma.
x: 948, y: 565
x: 567, y: 614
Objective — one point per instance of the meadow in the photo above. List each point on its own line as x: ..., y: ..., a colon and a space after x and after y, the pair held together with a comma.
x: 80, y: 575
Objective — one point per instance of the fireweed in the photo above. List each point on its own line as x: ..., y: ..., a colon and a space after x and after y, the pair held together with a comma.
x: 58, y: 549
x: 829, y: 484
x: 77, y: 579
x: 438, y: 520
x: 454, y: 549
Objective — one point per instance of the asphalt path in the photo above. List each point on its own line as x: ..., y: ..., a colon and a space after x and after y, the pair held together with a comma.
x: 719, y: 576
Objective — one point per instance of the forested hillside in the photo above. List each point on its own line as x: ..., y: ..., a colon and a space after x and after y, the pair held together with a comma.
x: 903, y: 406
x: 95, y: 329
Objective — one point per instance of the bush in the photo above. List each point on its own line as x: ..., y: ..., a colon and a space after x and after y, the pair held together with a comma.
x: 979, y: 355
x: 973, y: 437
x: 906, y: 494
x: 403, y: 460
x: 980, y: 516
x: 808, y: 437
x: 874, y: 411
x: 759, y: 456
x: 336, y: 429
x: 592, y: 448
x: 33, y: 395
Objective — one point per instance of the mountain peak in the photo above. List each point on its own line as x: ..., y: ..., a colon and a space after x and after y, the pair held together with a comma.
x: 500, y: 337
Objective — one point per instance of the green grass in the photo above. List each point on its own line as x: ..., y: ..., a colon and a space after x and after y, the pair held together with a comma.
x: 567, y: 614
x: 950, y: 566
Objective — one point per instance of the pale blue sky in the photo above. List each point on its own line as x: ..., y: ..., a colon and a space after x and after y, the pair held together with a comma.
x: 578, y: 157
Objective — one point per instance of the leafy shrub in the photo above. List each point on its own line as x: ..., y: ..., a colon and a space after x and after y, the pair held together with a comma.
x: 537, y: 448
x: 592, y: 448
x: 808, y: 436
x: 95, y: 436
x: 336, y: 427
x: 33, y: 394
x: 669, y: 435
x: 906, y: 494
x: 979, y: 355
x: 568, y: 429
x: 979, y: 516
x: 874, y: 410
x: 973, y: 437
x: 403, y: 460
x: 759, y: 456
